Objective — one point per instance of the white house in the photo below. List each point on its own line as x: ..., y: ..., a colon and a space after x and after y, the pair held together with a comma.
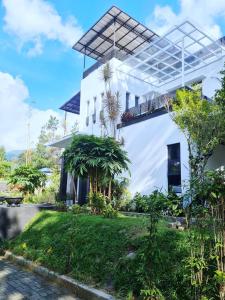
x: 146, y: 67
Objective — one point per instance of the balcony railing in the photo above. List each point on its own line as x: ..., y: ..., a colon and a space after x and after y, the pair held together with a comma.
x: 148, y: 109
x: 158, y: 104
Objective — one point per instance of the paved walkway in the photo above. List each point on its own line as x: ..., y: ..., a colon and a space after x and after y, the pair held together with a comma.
x: 18, y: 284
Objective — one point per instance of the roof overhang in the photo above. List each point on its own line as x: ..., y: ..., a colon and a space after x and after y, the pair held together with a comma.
x: 63, y: 142
x: 181, y: 50
x: 115, y: 30
x: 73, y: 105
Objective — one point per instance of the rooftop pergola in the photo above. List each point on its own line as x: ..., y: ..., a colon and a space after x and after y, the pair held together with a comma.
x: 180, y: 51
x: 115, y: 30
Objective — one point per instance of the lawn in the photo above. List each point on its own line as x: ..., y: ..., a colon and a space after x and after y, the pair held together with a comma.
x: 103, y: 252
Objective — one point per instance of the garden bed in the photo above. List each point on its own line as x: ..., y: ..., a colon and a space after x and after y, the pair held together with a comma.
x: 103, y: 252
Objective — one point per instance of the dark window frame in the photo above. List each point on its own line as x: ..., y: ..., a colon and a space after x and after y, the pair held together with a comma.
x: 127, y: 101
x: 174, y: 167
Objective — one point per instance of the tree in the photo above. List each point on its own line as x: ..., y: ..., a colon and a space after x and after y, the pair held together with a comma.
x: 5, y: 166
x: 203, y: 124
x: 2, y: 153
x: 42, y: 155
x: 27, y: 179
x: 96, y: 158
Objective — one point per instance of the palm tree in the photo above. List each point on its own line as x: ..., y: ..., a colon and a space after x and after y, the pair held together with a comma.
x: 96, y: 158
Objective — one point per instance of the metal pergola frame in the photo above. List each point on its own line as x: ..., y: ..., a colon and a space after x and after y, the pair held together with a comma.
x: 181, y: 50
x: 115, y: 30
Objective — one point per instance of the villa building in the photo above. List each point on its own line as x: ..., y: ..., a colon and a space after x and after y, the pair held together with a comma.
x: 147, y: 69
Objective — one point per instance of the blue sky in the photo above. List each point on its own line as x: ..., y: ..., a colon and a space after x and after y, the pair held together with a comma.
x: 38, y: 68
x: 54, y: 76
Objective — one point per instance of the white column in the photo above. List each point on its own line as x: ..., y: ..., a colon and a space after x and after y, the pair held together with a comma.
x: 182, y: 72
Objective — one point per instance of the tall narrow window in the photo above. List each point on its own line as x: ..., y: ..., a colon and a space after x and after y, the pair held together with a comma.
x: 94, y: 114
x: 102, y: 100
x: 174, y: 168
x: 87, y: 116
x: 136, y: 101
x: 127, y: 100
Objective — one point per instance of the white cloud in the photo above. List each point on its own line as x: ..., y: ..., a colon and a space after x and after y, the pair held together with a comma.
x: 14, y: 112
x: 204, y: 13
x: 34, y: 21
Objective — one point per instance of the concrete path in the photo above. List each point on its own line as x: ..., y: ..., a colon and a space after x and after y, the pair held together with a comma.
x: 18, y: 284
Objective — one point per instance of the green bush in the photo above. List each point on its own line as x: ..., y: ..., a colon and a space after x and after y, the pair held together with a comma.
x: 61, y: 206
x: 77, y: 209
x: 110, y: 212
x: 97, y: 202
x: 47, y: 196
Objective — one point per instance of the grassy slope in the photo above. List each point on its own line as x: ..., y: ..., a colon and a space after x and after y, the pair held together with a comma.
x: 94, y: 249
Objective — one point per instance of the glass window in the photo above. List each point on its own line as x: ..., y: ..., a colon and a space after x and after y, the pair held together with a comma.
x: 127, y: 100
x: 137, y: 100
x: 174, y: 168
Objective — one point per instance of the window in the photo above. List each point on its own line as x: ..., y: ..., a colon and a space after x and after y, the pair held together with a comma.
x: 127, y: 100
x: 87, y: 116
x: 102, y: 100
x: 94, y: 114
x: 174, y: 168
x: 137, y: 100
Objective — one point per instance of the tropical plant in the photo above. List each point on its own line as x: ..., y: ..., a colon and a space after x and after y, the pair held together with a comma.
x: 96, y: 158
x: 203, y: 124
x: 112, y: 107
x: 27, y: 179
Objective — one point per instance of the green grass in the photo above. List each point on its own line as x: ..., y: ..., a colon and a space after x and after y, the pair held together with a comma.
x: 94, y: 249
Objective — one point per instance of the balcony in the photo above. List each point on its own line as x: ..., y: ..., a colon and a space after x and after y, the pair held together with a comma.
x: 149, y: 109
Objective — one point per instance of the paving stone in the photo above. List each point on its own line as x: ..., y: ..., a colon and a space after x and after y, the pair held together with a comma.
x: 17, y: 284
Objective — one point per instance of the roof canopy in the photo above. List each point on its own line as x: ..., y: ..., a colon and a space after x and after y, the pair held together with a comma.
x: 115, y: 30
x: 181, y: 50
x: 73, y: 105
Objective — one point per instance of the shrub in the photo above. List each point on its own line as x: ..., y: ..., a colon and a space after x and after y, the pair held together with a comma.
x: 61, y: 206
x: 97, y: 202
x: 75, y: 209
x: 27, y: 179
x: 110, y: 212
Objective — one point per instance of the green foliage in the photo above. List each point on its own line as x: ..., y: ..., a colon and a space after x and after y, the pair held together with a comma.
x: 95, y: 250
x: 110, y: 212
x: 77, y: 209
x: 5, y: 166
x: 2, y: 153
x: 97, y: 202
x: 120, y: 194
x: 61, y: 206
x: 203, y: 124
x: 43, y: 156
x: 45, y: 196
x: 27, y: 179
x: 170, y: 203
x: 96, y: 158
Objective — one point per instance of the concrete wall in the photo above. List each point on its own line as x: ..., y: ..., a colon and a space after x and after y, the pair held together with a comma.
x: 14, y: 219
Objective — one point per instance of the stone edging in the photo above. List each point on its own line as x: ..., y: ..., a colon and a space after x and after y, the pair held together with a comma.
x: 81, y: 290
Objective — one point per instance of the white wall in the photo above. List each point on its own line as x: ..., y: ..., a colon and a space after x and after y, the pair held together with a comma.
x: 146, y: 141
